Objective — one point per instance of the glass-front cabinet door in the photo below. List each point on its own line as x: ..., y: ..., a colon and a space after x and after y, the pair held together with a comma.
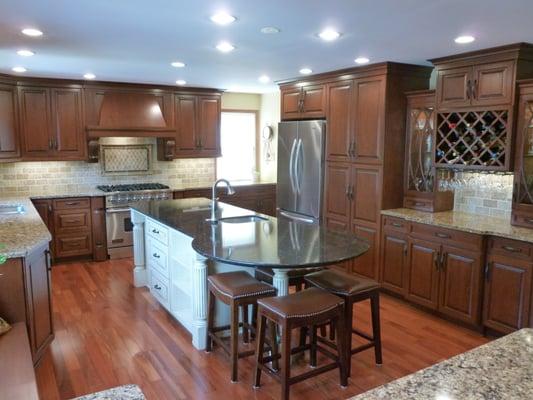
x: 420, y: 174
x: 523, y: 179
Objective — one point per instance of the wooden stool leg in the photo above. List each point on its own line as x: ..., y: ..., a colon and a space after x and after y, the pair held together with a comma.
x: 323, y: 330
x: 312, y: 352
x: 234, y: 346
x: 303, y: 335
x: 285, y: 360
x: 259, y: 350
x: 254, y: 319
x: 210, y: 322
x: 332, y: 331
x: 245, y: 331
x: 343, y: 352
x: 348, y: 322
x: 376, y: 328
x: 273, y: 345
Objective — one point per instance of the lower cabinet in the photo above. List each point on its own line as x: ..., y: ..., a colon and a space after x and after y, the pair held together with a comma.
x: 25, y: 296
x: 423, y: 273
x: 394, y: 251
x: 507, y: 301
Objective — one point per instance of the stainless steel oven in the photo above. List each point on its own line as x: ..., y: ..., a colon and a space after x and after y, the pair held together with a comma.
x: 119, y: 227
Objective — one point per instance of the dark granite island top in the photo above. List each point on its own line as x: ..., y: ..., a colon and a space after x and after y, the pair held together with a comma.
x: 274, y: 242
x: 502, y: 369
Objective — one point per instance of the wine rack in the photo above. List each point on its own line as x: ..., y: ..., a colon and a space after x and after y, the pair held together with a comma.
x: 473, y: 140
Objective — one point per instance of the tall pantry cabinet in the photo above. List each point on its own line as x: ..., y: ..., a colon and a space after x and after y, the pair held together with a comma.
x: 365, y: 112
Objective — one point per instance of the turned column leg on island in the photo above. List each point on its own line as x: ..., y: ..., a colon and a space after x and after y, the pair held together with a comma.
x: 281, y: 281
x: 140, y: 275
x: 199, y: 302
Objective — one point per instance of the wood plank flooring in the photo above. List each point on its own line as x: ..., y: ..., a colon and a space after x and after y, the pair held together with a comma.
x: 109, y: 333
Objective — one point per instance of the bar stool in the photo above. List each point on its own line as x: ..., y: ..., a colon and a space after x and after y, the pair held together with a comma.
x: 352, y: 289
x: 237, y: 289
x: 307, y: 308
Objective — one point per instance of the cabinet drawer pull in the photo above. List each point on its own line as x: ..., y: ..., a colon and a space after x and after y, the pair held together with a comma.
x: 157, y: 287
x: 397, y: 224
x: 72, y: 203
x: 72, y: 221
x: 442, y: 235
x: 155, y: 231
x: 528, y: 220
x: 155, y: 255
x: 419, y: 204
x: 512, y: 249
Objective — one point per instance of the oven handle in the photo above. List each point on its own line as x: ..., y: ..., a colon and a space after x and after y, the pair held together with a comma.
x: 116, y: 210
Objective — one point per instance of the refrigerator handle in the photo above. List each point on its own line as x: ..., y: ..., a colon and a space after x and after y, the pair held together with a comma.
x: 291, y: 166
x: 297, y: 167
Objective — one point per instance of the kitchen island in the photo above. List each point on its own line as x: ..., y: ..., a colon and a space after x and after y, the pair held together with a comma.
x: 175, y: 248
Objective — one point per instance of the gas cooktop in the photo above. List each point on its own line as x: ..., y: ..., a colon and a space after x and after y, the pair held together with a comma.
x: 134, y: 187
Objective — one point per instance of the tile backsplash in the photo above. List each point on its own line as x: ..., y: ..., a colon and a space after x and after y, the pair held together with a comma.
x: 488, y: 194
x: 24, y: 178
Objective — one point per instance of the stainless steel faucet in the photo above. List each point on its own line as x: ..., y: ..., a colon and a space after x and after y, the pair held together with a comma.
x: 214, y: 204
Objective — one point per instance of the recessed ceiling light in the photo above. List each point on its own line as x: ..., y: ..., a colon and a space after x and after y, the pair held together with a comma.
x: 19, y: 69
x: 89, y: 76
x: 464, y: 39
x: 270, y: 29
x: 25, y: 53
x: 222, y: 18
x: 361, y: 60
x: 329, y: 34
x: 177, y: 64
x: 181, y: 82
x: 225, y: 47
x: 306, y: 71
x: 32, y: 32
x: 264, y: 79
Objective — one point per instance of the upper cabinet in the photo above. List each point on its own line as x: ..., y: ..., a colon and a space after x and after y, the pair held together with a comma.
x: 51, y: 123
x: 9, y: 137
x: 197, y: 125
x: 303, y: 101
x: 475, y: 105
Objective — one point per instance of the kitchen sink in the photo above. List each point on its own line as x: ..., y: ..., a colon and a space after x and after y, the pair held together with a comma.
x: 8, y: 209
x: 242, y: 219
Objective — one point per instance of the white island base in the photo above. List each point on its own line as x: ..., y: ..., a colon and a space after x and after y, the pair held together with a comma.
x: 176, y: 275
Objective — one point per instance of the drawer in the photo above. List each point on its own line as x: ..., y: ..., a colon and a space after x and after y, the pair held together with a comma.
x: 157, y: 256
x: 522, y: 219
x: 418, y: 204
x: 509, y: 248
x: 395, y: 223
x: 159, y: 288
x: 452, y: 237
x: 72, y: 220
x: 72, y: 244
x: 72, y: 202
x: 157, y: 231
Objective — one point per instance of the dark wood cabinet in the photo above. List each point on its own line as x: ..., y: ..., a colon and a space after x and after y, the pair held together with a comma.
x: 368, y: 119
x: 51, y: 123
x: 423, y: 273
x: 460, y: 284
x: 508, y: 285
x: 364, y: 193
x: 98, y: 228
x: 9, y: 132
x: 303, y: 102
x: 453, y: 87
x: 366, y: 264
x: 197, y: 126
x: 337, y: 202
x: 339, y: 136
x: 25, y: 296
x: 394, y: 259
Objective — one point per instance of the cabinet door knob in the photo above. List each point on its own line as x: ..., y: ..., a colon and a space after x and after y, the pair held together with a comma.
x: 155, y: 231
x: 474, y: 89
x: 436, y: 261
x: 469, y: 89
x: 155, y: 255
x: 157, y: 287
x: 487, y: 271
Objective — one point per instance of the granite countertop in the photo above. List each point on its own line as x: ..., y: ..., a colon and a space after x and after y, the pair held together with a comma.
x: 473, y: 223
x: 126, y: 392
x: 273, y: 242
x: 21, y: 233
x: 502, y: 369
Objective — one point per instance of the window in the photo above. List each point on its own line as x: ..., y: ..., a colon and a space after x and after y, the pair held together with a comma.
x: 238, y: 135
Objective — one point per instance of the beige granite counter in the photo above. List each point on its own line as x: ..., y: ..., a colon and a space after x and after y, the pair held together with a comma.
x: 473, y: 223
x: 502, y: 369
x: 21, y: 233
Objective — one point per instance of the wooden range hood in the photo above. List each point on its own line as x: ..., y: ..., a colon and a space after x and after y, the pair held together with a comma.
x: 130, y: 114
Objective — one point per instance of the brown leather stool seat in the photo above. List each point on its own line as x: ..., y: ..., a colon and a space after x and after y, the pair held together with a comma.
x: 237, y: 289
x: 307, y: 308
x: 352, y: 289
x: 296, y: 275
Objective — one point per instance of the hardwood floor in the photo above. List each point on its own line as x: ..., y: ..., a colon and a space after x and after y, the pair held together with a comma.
x: 108, y: 333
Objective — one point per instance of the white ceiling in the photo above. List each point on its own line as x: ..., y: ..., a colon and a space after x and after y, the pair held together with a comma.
x: 135, y: 40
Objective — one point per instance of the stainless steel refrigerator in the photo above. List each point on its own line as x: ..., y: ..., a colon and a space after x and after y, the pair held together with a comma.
x: 301, y: 169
